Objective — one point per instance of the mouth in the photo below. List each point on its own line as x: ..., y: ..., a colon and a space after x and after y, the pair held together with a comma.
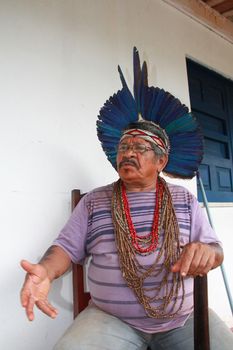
x: 128, y: 163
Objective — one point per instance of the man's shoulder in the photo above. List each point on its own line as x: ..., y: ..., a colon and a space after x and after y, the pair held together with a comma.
x: 177, y: 188
x: 180, y: 192
x: 100, y: 192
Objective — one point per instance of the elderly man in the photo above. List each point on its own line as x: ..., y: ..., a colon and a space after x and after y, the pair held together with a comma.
x: 147, y: 240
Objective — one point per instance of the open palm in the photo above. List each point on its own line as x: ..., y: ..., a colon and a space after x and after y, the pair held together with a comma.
x: 35, y: 290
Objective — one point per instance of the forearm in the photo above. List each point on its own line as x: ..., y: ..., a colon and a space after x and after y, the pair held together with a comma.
x: 56, y: 261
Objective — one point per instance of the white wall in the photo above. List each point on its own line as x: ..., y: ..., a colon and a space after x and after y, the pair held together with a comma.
x: 58, y: 64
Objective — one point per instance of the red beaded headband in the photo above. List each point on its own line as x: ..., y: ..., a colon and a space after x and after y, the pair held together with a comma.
x: 148, y: 136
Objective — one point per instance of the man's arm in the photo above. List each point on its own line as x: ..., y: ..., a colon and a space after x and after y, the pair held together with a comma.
x: 198, y: 259
x: 54, y: 263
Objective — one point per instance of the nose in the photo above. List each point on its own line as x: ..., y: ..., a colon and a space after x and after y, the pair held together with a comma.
x: 130, y: 150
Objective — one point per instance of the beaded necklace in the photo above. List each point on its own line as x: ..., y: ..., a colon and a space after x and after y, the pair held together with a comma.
x: 148, y: 243
x: 130, y: 247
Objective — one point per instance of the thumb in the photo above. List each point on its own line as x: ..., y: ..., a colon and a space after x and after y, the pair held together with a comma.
x: 36, y: 271
x: 27, y: 266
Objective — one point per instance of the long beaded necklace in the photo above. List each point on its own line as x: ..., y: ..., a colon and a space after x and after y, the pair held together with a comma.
x: 130, y: 246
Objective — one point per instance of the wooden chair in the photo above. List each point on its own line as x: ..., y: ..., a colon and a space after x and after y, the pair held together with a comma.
x: 80, y: 296
x: 201, y: 321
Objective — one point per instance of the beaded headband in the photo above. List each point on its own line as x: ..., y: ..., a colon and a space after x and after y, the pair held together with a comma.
x: 151, y: 104
x: 148, y: 136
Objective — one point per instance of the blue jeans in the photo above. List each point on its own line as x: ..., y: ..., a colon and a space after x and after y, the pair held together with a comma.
x: 94, y: 329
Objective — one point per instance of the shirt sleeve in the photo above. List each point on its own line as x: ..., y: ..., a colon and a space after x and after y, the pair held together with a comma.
x: 72, y: 238
x: 201, y: 229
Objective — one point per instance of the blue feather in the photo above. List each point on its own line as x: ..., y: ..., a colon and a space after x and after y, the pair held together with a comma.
x: 137, y: 78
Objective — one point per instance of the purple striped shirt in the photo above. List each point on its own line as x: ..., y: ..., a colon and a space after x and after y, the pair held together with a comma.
x: 89, y: 232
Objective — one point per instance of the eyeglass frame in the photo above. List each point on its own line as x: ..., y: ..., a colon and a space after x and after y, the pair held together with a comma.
x: 132, y: 147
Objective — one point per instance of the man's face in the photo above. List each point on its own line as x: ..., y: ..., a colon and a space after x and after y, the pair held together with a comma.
x: 135, y: 167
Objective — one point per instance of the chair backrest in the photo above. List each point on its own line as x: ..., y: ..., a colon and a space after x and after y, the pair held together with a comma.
x: 201, y: 321
x: 80, y: 296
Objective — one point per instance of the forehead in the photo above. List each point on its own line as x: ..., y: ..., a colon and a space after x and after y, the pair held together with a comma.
x: 136, y: 139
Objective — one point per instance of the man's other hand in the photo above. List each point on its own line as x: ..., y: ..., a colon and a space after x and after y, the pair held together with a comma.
x: 197, y: 259
x: 35, y: 290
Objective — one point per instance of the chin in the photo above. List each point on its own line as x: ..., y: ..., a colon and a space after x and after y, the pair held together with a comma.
x: 128, y: 177
x: 127, y: 172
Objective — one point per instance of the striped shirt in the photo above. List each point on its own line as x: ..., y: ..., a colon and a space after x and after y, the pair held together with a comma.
x: 90, y: 232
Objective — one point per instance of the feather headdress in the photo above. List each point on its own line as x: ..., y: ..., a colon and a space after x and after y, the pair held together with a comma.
x: 156, y: 105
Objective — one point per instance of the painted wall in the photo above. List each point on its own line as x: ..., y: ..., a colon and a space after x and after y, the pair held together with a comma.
x: 58, y: 64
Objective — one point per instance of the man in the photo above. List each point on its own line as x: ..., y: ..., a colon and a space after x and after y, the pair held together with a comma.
x: 147, y: 238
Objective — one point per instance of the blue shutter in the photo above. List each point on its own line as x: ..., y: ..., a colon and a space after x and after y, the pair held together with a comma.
x: 211, y: 97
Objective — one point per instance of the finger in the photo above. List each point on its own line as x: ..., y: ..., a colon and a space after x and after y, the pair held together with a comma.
x: 25, y: 292
x: 186, y: 261
x: 204, y: 266
x: 176, y: 266
x: 198, y: 265
x: 47, y: 308
x: 29, y: 308
x: 24, y: 296
x: 195, y: 264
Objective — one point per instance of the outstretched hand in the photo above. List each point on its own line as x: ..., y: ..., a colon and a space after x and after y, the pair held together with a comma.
x: 196, y: 259
x: 35, y: 290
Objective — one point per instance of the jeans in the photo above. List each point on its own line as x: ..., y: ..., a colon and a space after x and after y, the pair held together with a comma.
x: 94, y: 329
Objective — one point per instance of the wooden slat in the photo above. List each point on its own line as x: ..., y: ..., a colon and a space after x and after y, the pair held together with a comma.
x: 224, y: 6
x: 80, y: 297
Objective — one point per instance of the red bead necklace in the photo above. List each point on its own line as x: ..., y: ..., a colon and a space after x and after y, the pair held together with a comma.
x: 153, y: 236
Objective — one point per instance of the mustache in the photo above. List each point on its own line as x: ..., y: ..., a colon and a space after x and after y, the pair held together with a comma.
x: 130, y: 161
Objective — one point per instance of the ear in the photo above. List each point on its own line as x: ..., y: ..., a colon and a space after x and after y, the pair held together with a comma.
x: 162, y: 162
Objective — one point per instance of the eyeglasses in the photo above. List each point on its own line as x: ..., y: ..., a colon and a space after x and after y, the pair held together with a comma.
x: 135, y: 147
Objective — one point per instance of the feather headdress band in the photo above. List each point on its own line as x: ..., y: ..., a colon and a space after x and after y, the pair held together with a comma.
x: 158, y: 106
x: 162, y: 144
